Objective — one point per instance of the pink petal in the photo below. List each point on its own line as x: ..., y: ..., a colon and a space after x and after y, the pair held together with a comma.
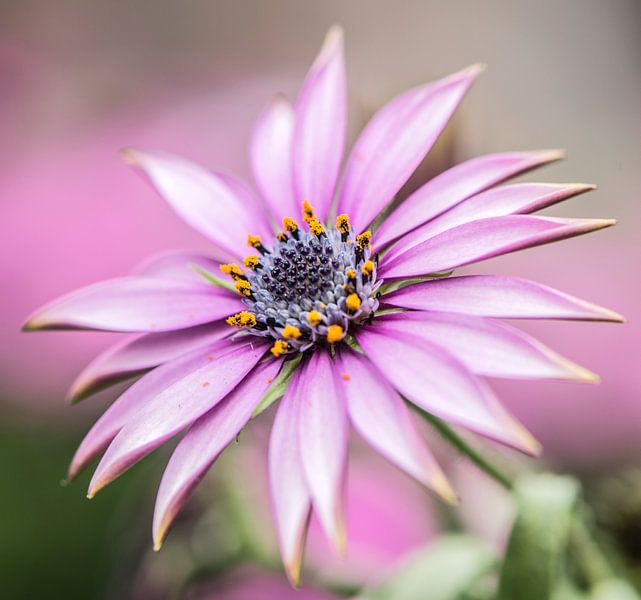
x: 179, y: 265
x: 395, y: 141
x: 291, y: 500
x: 323, y: 432
x: 271, y: 158
x: 136, y: 304
x: 507, y: 200
x: 480, y: 240
x: 319, y: 131
x: 497, y: 296
x: 204, y: 442
x: 138, y: 396
x: 455, y: 185
x: 216, y: 205
x: 173, y: 409
x: 138, y: 353
x: 439, y: 383
x: 381, y: 417
x: 485, y: 346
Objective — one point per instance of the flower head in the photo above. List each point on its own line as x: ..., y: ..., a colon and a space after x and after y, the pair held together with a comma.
x: 350, y: 314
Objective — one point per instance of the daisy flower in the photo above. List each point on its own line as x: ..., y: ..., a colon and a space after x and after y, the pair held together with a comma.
x: 320, y: 292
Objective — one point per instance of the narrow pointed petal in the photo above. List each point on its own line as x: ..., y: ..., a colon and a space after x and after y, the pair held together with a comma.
x: 455, y: 185
x: 381, y: 417
x: 432, y: 378
x: 138, y: 353
x: 204, y: 442
x: 215, y: 205
x: 291, y: 500
x: 520, y: 198
x: 271, y: 158
x: 137, y: 397
x: 136, y: 304
x: 179, y: 265
x: 480, y: 240
x: 395, y: 141
x: 323, y: 432
x: 485, y: 346
x: 497, y: 296
x: 173, y: 409
x: 320, y: 126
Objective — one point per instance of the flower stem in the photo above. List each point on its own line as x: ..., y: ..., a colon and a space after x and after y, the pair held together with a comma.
x: 464, y: 448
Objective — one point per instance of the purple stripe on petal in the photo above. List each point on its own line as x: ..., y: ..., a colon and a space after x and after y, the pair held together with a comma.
x: 483, y: 239
x: 320, y: 125
x: 179, y: 265
x: 204, y: 442
x: 519, y: 198
x: 395, y: 141
x: 455, y: 185
x: 271, y: 158
x: 138, y: 353
x: 291, y: 501
x: 173, y: 409
x: 323, y: 432
x: 383, y: 420
x: 485, y: 346
x: 216, y: 205
x: 136, y: 304
x: 439, y: 383
x: 497, y: 296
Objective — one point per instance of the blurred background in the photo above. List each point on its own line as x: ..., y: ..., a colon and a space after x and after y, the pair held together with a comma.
x: 80, y: 80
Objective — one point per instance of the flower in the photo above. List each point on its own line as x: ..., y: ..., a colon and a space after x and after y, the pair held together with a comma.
x: 347, y: 315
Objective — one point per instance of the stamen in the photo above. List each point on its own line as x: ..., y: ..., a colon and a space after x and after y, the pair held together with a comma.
x: 342, y: 224
x: 316, y: 227
x: 279, y: 347
x: 367, y: 268
x: 308, y: 211
x: 242, y: 319
x: 290, y: 225
x: 314, y: 318
x: 353, y: 302
x: 252, y: 262
x: 244, y: 287
x: 281, y: 237
x: 255, y: 242
x: 232, y: 270
x: 290, y: 332
x: 363, y: 240
x: 335, y: 333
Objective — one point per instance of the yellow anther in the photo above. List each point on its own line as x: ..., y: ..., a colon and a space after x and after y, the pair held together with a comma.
x: 364, y: 239
x: 351, y: 274
x: 254, y: 241
x: 314, y: 318
x: 290, y: 332
x: 243, y: 286
x: 353, y: 302
x: 242, y: 319
x: 252, y: 261
x: 368, y: 267
x: 308, y: 211
x: 316, y: 227
x: 281, y: 237
x: 342, y: 223
x: 290, y: 225
x: 335, y: 333
x: 233, y: 270
x: 279, y: 347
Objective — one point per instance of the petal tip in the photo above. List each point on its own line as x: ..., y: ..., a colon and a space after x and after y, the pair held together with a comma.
x: 551, y: 155
x: 293, y: 569
x: 445, y: 490
x: 131, y: 156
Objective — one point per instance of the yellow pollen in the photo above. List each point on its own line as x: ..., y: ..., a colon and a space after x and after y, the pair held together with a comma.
x: 270, y: 379
x: 364, y: 239
x: 345, y: 376
x: 290, y: 225
x: 279, y: 347
x: 316, y: 227
x: 368, y: 267
x: 243, y: 286
x: 290, y: 332
x: 242, y: 319
x: 253, y: 241
x: 251, y: 261
x: 351, y: 274
x: 308, y: 211
x: 232, y: 269
x: 281, y: 237
x: 335, y: 334
x: 353, y: 302
x: 314, y: 318
x: 342, y: 223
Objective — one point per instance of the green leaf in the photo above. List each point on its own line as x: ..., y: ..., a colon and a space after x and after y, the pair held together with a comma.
x: 613, y: 589
x: 207, y: 276
x: 443, y: 571
x: 567, y: 591
x: 279, y: 386
x: 539, y: 538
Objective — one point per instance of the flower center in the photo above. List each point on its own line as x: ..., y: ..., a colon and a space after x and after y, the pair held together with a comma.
x: 309, y: 287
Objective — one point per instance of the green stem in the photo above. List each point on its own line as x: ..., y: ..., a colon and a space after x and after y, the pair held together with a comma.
x: 464, y: 448
x: 589, y: 556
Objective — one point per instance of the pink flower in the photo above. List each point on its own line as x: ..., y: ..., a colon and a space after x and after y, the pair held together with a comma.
x: 308, y: 300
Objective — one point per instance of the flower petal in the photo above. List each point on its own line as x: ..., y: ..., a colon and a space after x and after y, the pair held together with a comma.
x: 323, y: 432
x: 136, y: 304
x: 271, y: 158
x: 204, y: 442
x: 455, y: 185
x: 395, y: 141
x: 485, y: 346
x: 179, y: 265
x: 291, y: 500
x: 218, y: 206
x: 138, y: 353
x: 381, y: 417
x: 439, y: 383
x: 497, y: 296
x: 519, y: 198
x: 173, y: 409
x: 320, y: 126
x: 483, y: 239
